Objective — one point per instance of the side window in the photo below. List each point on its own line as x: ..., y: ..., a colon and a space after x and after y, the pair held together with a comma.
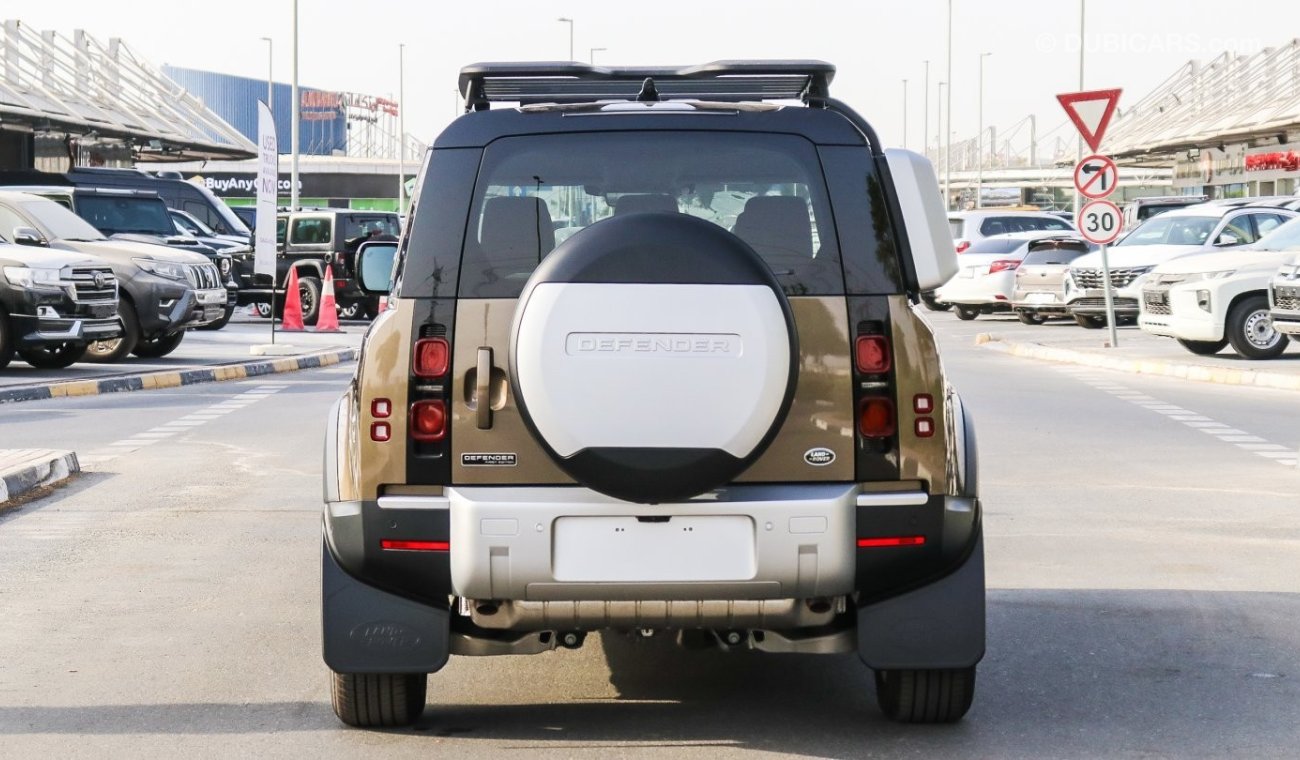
x: 199, y: 211
x: 1050, y: 224
x: 1266, y: 223
x: 281, y: 224
x: 8, y: 221
x: 1238, y: 227
x: 994, y: 225
x: 310, y: 231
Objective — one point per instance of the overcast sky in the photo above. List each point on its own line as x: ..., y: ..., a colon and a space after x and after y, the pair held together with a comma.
x: 352, y: 46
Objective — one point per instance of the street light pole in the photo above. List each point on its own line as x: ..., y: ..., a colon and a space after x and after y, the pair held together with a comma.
x: 925, y: 119
x: 270, y: 79
x: 979, y: 159
x: 904, y: 114
x: 948, y: 108
x: 938, y: 136
x: 401, y: 128
x: 297, y: 112
x: 591, y: 56
x: 568, y: 21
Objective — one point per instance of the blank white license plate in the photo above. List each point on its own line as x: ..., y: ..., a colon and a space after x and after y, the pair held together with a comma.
x: 625, y: 549
x: 1040, y: 298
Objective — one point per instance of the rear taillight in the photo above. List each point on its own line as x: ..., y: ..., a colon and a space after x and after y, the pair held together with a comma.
x: 872, y: 354
x: 428, y: 420
x: 381, y: 432
x: 1003, y: 265
x: 432, y: 357
x: 876, y: 417
x: 962, y: 245
x: 923, y: 404
x: 381, y: 408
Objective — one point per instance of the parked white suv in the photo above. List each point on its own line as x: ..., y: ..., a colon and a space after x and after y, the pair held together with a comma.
x: 1284, y: 297
x: 1210, y: 300
x: 1194, y: 229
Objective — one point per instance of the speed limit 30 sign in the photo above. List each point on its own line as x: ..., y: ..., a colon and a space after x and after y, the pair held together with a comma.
x: 1099, y: 222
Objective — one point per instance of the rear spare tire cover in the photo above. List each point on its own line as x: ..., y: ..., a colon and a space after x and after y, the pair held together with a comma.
x: 653, y: 356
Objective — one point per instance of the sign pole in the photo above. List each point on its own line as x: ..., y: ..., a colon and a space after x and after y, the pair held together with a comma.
x: 1110, y: 297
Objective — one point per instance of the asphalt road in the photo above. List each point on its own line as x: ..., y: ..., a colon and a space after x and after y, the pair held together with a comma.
x: 1142, y: 565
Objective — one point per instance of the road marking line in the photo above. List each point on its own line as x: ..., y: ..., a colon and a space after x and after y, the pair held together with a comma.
x: 1225, y: 432
x: 1262, y: 447
x: 1240, y: 439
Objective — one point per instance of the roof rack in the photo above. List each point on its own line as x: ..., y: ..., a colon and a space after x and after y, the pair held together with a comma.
x: 482, y: 84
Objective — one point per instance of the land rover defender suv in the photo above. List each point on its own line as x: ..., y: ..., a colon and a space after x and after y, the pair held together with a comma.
x: 650, y: 363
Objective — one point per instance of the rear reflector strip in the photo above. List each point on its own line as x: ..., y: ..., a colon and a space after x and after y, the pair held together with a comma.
x: 923, y: 403
x: 876, y: 543
x: 381, y: 432
x: 381, y: 408
x: 924, y: 427
x: 401, y: 545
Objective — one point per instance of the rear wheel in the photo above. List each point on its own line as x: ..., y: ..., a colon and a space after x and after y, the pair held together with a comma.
x: 967, y: 313
x: 378, y: 700
x: 152, y: 348
x: 1031, y: 317
x: 1250, y: 330
x: 309, y: 296
x: 1089, y: 322
x: 109, y: 351
x: 351, y: 310
x: 54, y: 355
x: 6, y: 341
x: 925, y: 696
x: 1203, y: 347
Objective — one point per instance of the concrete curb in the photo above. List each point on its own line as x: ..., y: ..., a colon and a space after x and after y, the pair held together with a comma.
x: 22, y: 470
x: 175, y: 378
x: 1198, y: 372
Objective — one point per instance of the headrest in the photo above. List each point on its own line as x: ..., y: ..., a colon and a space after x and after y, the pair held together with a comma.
x: 776, y: 225
x: 516, y: 232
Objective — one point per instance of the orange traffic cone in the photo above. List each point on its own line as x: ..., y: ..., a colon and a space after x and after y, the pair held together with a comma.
x: 292, y: 319
x: 328, y: 318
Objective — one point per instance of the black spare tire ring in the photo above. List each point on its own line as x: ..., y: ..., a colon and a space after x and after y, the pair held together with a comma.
x: 662, y: 249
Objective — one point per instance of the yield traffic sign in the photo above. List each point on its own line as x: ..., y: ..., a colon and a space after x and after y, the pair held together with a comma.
x: 1099, y: 222
x: 1091, y: 112
x: 1096, y: 176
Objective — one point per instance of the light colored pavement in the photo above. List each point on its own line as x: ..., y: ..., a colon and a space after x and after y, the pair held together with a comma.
x: 1142, y: 595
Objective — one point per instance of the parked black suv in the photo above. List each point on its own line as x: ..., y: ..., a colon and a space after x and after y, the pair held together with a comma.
x: 53, y: 304
x: 163, y: 291
x: 140, y: 216
x: 309, y: 241
x: 704, y: 407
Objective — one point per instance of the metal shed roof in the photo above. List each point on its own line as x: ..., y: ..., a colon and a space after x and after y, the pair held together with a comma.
x: 78, y: 85
x: 1230, y: 99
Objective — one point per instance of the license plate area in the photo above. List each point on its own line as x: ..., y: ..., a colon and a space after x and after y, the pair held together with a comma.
x: 1040, y: 298
x: 632, y: 550
x: 1156, y: 297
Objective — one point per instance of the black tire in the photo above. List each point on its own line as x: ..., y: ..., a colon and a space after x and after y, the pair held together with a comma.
x: 1089, y: 322
x: 153, y: 348
x: 115, y: 350
x: 309, y: 293
x: 54, y: 355
x: 6, y: 341
x: 1031, y: 317
x: 1203, y: 347
x: 1250, y: 330
x: 378, y: 700
x: 925, y: 696
x: 221, y: 322
x: 967, y: 313
x: 932, y: 303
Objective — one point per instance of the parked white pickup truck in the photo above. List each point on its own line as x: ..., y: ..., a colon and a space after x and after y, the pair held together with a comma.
x: 1210, y: 300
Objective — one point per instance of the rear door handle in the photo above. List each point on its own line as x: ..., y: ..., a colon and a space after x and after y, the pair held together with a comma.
x: 483, y: 388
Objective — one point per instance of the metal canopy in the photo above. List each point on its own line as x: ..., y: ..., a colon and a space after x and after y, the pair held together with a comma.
x: 568, y: 82
x: 54, y: 84
x: 1230, y: 99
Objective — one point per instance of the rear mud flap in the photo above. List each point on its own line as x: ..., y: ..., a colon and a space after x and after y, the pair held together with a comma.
x: 937, y: 626
x: 367, y: 630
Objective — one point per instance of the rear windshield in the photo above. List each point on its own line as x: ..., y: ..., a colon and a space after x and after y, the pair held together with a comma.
x: 1001, y: 225
x: 995, y: 245
x: 535, y: 192
x: 1052, y: 254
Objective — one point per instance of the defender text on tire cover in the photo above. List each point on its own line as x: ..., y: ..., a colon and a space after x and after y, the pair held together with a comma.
x: 663, y: 352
